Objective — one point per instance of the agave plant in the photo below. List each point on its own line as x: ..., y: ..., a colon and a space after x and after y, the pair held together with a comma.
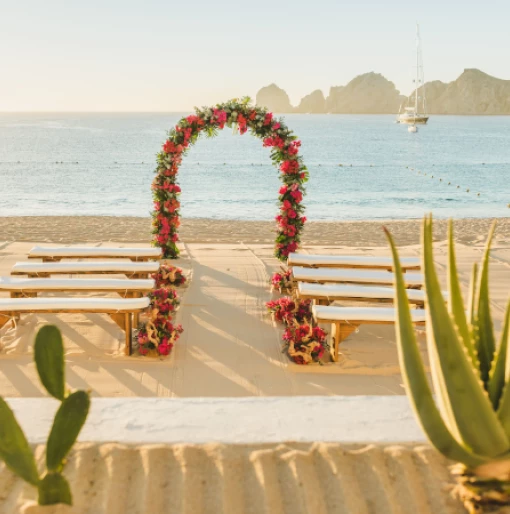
x: 52, y: 487
x: 470, y: 423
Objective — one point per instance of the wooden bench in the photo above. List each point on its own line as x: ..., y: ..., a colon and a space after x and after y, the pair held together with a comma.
x: 345, y: 320
x: 30, y: 287
x: 351, y: 261
x: 325, y: 294
x: 354, y: 276
x: 56, y: 254
x: 46, y: 269
x: 121, y: 310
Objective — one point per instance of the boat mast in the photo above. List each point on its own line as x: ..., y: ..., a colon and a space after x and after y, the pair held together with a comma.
x: 417, y: 85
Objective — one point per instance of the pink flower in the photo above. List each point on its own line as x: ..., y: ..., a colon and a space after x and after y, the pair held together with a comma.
x: 221, y: 117
x: 276, y: 126
x: 164, y: 348
x: 143, y: 350
x: 293, y: 148
x: 297, y: 195
x: 289, y: 167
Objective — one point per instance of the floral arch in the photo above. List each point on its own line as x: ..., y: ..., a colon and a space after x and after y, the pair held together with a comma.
x: 242, y: 116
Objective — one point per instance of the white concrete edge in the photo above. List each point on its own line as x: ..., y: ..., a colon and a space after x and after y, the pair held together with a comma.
x: 344, y: 419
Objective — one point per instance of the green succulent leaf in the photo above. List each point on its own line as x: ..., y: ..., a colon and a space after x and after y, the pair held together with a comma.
x: 49, y: 359
x: 455, y: 301
x: 53, y: 489
x: 415, y: 379
x: 504, y: 404
x: 500, y: 371
x: 67, y: 424
x: 486, y: 344
x: 472, y: 297
x: 460, y: 387
x: 14, y: 448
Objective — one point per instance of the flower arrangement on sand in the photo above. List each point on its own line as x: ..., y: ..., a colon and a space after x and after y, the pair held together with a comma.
x: 305, y: 343
x: 286, y: 310
x: 158, y: 334
x: 243, y: 117
x: 169, y: 276
x: 282, y: 281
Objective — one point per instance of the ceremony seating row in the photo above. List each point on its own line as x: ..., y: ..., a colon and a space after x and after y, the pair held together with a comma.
x: 326, y: 279
x: 124, y: 310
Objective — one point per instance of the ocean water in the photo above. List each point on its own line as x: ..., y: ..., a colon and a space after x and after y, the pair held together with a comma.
x: 103, y: 164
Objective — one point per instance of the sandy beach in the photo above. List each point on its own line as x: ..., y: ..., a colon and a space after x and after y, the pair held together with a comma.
x: 230, y: 346
x: 92, y: 229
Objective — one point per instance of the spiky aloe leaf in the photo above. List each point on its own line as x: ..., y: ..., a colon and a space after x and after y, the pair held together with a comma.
x: 475, y: 419
x: 435, y: 365
x: 14, y: 448
x: 486, y: 343
x: 455, y: 301
x: 67, y: 424
x: 49, y: 359
x: 415, y: 379
x: 504, y: 404
x: 53, y: 489
x: 500, y: 372
x: 472, y: 296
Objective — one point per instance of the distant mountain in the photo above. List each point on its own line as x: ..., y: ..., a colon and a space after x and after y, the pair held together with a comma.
x: 314, y: 102
x: 474, y: 92
x: 274, y: 98
x: 369, y: 93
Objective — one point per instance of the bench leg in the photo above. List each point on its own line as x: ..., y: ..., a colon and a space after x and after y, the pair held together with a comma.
x: 129, y: 333
x: 125, y: 322
x: 136, y: 315
x: 339, y: 332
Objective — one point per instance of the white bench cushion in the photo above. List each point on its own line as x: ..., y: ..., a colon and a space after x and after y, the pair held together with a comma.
x: 301, y: 259
x: 80, y: 267
x: 352, y: 275
x: 86, y: 251
x: 69, y: 304
x: 64, y: 284
x: 383, y: 314
x: 354, y: 291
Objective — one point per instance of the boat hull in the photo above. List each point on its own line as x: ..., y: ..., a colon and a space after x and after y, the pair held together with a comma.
x: 414, y: 120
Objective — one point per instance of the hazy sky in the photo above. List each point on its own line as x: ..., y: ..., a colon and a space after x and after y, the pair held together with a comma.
x: 155, y: 55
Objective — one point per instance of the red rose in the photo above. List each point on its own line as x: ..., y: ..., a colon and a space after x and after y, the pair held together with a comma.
x: 297, y: 195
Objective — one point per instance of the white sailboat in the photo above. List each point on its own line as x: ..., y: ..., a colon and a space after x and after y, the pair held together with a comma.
x: 414, y: 112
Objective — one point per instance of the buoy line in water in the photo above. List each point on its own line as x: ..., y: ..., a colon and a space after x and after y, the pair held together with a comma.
x: 310, y: 165
x: 449, y: 183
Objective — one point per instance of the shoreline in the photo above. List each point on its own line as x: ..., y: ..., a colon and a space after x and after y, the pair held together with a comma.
x: 127, y: 229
